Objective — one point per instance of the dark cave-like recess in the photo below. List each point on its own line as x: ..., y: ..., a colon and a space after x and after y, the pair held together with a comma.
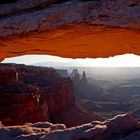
x: 7, y: 1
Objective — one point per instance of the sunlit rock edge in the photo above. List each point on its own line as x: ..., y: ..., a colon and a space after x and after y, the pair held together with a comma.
x: 121, y: 127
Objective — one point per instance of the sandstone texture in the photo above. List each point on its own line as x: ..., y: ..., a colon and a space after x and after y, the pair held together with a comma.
x: 70, y: 28
x: 8, y: 75
x: 121, y: 127
x: 19, y: 102
x: 53, y: 13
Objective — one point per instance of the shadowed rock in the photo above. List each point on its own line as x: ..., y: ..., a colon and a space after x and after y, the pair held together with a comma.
x: 7, y: 1
x: 94, y: 130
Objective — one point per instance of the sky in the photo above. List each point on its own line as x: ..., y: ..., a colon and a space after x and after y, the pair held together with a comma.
x: 126, y: 60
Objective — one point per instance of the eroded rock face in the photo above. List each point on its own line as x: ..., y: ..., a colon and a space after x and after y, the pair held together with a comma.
x: 73, y: 28
x: 8, y: 75
x: 95, y: 130
x: 19, y: 102
x: 38, y: 94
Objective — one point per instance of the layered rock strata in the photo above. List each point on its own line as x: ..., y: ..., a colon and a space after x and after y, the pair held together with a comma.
x: 32, y: 94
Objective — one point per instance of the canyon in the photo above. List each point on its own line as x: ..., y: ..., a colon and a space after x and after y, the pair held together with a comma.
x: 74, y: 29
x: 38, y: 103
x: 34, y: 94
x: 107, y: 91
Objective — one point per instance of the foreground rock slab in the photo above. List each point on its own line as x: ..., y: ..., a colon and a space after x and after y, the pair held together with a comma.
x: 121, y: 127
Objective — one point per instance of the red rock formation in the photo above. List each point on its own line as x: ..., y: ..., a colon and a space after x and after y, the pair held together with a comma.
x: 62, y: 99
x: 41, y: 94
x: 92, y: 28
x: 63, y: 108
x: 8, y: 75
x: 19, y: 103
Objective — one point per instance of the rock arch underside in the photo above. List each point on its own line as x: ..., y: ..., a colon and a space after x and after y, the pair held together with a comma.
x: 70, y: 28
x: 73, y: 29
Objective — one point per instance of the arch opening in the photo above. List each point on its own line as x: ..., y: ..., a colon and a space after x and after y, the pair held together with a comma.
x: 125, y: 60
x: 106, y: 86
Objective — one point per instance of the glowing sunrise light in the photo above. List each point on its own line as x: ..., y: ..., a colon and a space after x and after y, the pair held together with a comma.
x: 126, y: 60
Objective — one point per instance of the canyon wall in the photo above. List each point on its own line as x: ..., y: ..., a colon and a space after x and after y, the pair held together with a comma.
x: 39, y: 94
x: 8, y: 75
x: 19, y: 103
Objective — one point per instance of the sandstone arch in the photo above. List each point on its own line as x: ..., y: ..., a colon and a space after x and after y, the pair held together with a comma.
x: 70, y: 28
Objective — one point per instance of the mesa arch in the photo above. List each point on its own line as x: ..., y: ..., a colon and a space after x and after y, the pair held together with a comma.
x: 76, y: 29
